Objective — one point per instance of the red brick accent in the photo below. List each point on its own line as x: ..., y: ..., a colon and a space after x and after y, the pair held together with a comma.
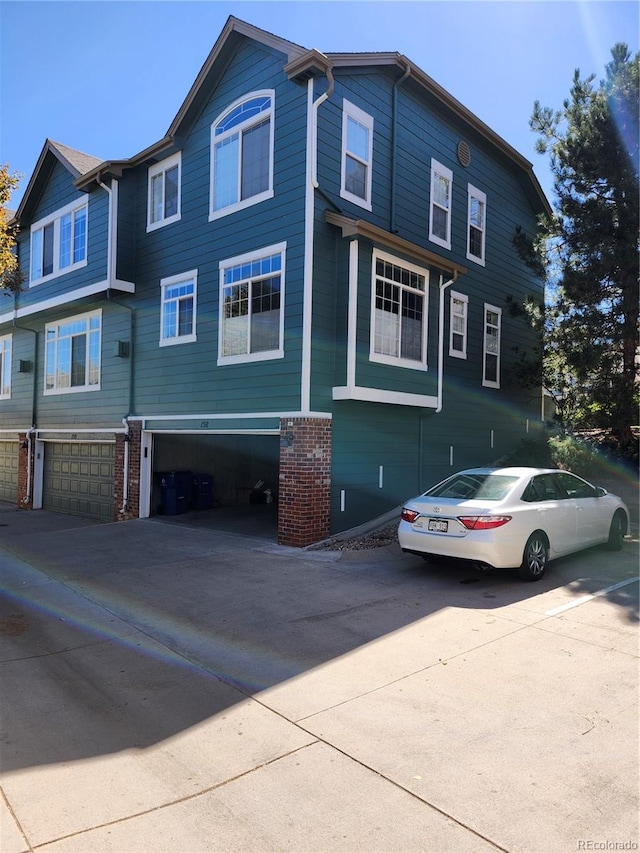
x: 24, y: 499
x: 132, y: 508
x: 304, y: 495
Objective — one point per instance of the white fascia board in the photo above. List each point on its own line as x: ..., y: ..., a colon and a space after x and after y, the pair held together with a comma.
x: 72, y: 296
x: 377, y: 395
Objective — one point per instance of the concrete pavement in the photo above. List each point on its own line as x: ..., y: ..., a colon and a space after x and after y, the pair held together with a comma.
x: 173, y: 687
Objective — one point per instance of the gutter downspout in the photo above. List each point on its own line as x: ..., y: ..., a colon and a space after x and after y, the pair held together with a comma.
x: 394, y: 118
x: 32, y: 429
x: 309, y: 217
x: 443, y: 287
x: 112, y: 192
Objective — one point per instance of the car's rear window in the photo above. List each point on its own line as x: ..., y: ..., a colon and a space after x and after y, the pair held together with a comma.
x: 490, y: 487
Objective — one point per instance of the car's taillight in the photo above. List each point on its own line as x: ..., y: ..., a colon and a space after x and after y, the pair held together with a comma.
x: 409, y: 515
x: 483, y: 522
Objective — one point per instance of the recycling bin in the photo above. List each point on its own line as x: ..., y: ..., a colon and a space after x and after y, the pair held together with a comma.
x: 175, y: 492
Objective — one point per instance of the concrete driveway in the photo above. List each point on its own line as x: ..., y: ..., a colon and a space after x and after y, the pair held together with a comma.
x: 171, y: 687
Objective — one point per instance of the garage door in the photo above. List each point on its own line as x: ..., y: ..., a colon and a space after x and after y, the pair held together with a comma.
x: 78, y: 479
x: 9, y: 471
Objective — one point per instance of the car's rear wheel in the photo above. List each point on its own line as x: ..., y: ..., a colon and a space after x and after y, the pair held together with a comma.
x: 617, y: 532
x: 535, y: 557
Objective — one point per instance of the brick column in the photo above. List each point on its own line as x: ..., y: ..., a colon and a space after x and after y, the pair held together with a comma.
x: 305, y: 481
x: 133, y: 497
x: 24, y: 499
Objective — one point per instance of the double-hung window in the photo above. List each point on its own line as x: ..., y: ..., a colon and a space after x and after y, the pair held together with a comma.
x: 491, y: 349
x: 399, y: 313
x: 357, y: 155
x: 59, y: 243
x: 5, y: 367
x: 251, y: 301
x: 163, y: 205
x: 458, y: 325
x: 440, y: 207
x: 178, y: 309
x: 242, y: 154
x: 72, y: 354
x: 476, y: 228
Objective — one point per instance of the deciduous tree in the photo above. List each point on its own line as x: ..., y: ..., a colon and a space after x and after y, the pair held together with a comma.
x: 10, y: 277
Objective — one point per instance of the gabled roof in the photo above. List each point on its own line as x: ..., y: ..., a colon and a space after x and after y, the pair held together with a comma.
x: 233, y: 32
x: 301, y: 64
x: 75, y: 162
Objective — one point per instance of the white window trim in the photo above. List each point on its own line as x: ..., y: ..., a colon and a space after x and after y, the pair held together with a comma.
x: 350, y: 110
x: 461, y: 297
x: 486, y: 382
x: 6, y: 352
x: 192, y: 275
x: 439, y: 169
x: 55, y: 218
x: 266, y: 194
x: 473, y: 192
x: 243, y: 259
x: 157, y: 169
x: 76, y: 388
x: 398, y: 361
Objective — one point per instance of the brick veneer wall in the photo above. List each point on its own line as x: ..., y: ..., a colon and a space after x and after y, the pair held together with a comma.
x: 133, y: 499
x: 305, y: 481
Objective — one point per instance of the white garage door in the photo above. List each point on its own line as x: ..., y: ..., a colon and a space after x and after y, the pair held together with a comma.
x: 78, y: 478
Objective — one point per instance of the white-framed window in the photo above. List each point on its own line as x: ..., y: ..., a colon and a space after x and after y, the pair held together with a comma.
x: 398, y: 312
x: 72, y: 354
x: 242, y: 154
x: 440, y: 207
x: 458, y: 310
x: 491, y: 348
x: 476, y: 228
x: 251, y: 303
x: 357, y: 155
x: 59, y: 242
x: 5, y: 367
x: 163, y: 200
x: 178, y: 298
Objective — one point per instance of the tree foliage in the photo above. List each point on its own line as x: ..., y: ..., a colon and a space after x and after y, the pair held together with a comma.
x: 590, y: 246
x: 10, y: 276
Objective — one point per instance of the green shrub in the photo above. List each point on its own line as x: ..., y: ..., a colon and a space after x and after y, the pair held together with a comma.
x: 573, y: 455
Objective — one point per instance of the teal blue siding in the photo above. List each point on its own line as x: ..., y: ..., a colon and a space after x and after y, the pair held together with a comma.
x: 103, y: 408
x: 16, y: 412
x: 185, y: 377
x: 59, y: 193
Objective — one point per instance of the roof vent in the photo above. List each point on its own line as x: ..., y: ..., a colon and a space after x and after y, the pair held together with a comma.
x: 464, y: 154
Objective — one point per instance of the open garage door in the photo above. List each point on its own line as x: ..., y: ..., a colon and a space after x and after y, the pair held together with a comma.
x: 9, y: 471
x: 79, y: 478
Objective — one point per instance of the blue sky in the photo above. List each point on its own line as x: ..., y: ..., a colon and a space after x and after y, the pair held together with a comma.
x: 108, y: 78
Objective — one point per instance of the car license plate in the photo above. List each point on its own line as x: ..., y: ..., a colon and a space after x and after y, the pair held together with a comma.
x: 438, y: 525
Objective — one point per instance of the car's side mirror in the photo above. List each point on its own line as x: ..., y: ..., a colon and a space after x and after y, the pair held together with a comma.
x: 600, y: 492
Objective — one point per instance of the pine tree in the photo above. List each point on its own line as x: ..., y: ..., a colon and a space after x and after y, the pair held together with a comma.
x: 591, y: 246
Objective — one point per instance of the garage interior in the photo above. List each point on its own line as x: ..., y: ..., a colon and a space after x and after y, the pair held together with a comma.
x: 226, y: 481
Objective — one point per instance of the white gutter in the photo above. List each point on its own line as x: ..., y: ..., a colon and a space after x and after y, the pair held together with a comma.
x: 112, y: 232
x: 443, y: 287
x: 309, y: 225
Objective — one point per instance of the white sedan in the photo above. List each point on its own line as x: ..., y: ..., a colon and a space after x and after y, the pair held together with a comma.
x: 508, y: 518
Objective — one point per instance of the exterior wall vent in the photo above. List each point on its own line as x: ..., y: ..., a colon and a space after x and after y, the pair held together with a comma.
x: 464, y: 154
x: 24, y: 366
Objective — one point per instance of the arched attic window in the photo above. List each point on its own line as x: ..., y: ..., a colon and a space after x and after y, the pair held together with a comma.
x: 242, y: 154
